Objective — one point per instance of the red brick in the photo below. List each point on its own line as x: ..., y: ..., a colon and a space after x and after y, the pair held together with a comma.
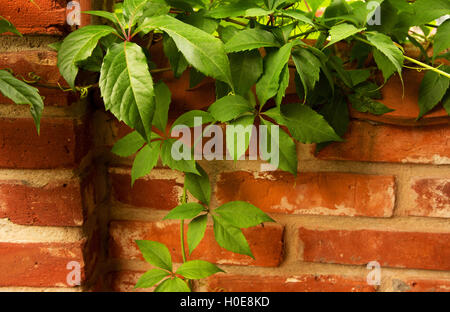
x: 38, y: 264
x: 389, y: 248
x: 160, y: 194
x: 300, y: 283
x: 383, y: 143
x: 324, y: 193
x: 124, y: 281
x: 62, y: 143
x: 37, y: 16
x: 42, y: 63
x: 421, y: 285
x: 432, y: 198
x: 58, y: 203
x: 265, y: 242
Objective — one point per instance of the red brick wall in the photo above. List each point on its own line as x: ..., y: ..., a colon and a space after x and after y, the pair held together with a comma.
x: 382, y: 195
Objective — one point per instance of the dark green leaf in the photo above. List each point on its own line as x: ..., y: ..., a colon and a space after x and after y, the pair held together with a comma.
x: 299, y: 16
x: 162, y: 100
x: 198, y: 269
x: 176, y: 58
x: 426, y: 11
x: 358, y: 75
x: 199, y: 20
x: 308, y: 68
x: 198, y: 185
x: 284, y: 83
x: 442, y: 38
x: 431, y: 92
x: 249, y: 39
x: 150, y: 278
x: 246, y: 68
x: 365, y: 104
x: 6, y: 26
x: 156, y: 253
x: 242, y: 214
x: 231, y: 238
x: 196, y: 231
x: 128, y: 145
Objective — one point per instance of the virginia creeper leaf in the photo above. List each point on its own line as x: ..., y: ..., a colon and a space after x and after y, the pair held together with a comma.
x: 150, y: 278
x: 196, y: 231
x: 155, y: 253
x: 231, y: 238
x: 242, y: 214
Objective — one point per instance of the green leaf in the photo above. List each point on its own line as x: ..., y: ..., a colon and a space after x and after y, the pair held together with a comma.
x: 77, y: 47
x: 299, y: 16
x: 229, y: 107
x: 150, y: 278
x: 359, y: 75
x: 176, y: 58
x: 426, y: 11
x: 184, y: 165
x: 446, y: 103
x: 431, y: 92
x: 198, y: 269
x: 185, y: 211
x: 341, y: 32
x: 249, y: 39
x: 127, y: 87
x: 238, y: 136
x: 306, y: 125
x: 133, y: 9
x: 338, y: 65
x: 155, y: 8
x: 173, y: 285
x: 442, y: 39
x: 315, y: 5
x: 6, y: 26
x: 243, y: 8
x: 365, y: 104
x: 202, y: 50
x: 128, y: 145
x: 196, y: 231
x: 21, y: 93
x: 384, y: 64
x: 246, y: 68
x: 284, y: 146
x: 198, y: 185
x: 308, y: 68
x: 284, y: 83
x: 55, y: 45
x: 107, y: 15
x: 275, y: 114
x: 145, y: 161
x: 199, y: 20
x: 195, y: 77
x: 188, y: 119
x: 274, y: 62
x: 242, y: 214
x: 231, y: 238
x: 162, y: 101
x: 386, y: 46
x: 155, y: 253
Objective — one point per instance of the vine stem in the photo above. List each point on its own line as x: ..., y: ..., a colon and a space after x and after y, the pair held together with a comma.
x: 183, y: 251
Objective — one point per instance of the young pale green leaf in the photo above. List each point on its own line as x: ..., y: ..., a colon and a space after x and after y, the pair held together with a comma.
x: 299, y: 16
x: 145, y: 161
x: 246, y: 68
x: 431, y: 92
x: 156, y: 253
x: 185, y: 211
x: 162, y: 100
x: 184, y: 165
x: 306, y: 125
x: 188, y: 119
x: 196, y: 231
x: 202, y: 50
x: 150, y: 278
x: 77, y: 47
x: 198, y: 269
x: 128, y: 145
x: 127, y: 87
x: 284, y: 145
x: 7, y: 26
x: 176, y: 58
x: 231, y: 238
x: 173, y: 285
x: 238, y: 136
x: 198, y: 185
x: 386, y: 46
x: 242, y: 214
x: 308, y: 68
x: 274, y: 62
x: 229, y: 107
x: 21, y: 93
x: 365, y: 104
x: 249, y: 39
x: 442, y: 38
x: 341, y: 32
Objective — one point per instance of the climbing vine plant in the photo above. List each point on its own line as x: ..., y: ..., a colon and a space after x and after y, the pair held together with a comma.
x: 246, y: 46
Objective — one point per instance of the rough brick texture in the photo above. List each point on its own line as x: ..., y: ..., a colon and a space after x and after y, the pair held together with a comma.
x: 432, y: 197
x: 391, y: 249
x: 57, y: 203
x: 265, y: 242
x: 61, y: 143
x: 311, y: 193
x: 38, y: 264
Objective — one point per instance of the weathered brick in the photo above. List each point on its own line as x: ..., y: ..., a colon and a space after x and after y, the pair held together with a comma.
x: 57, y: 203
x: 124, y: 281
x: 62, y: 143
x: 390, y: 248
x: 324, y: 193
x: 296, y: 283
x: 431, y: 197
x: 265, y: 242
x: 42, y: 63
x: 37, y: 16
x: 421, y: 285
x: 38, y: 264
x: 154, y: 193
x: 384, y: 143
